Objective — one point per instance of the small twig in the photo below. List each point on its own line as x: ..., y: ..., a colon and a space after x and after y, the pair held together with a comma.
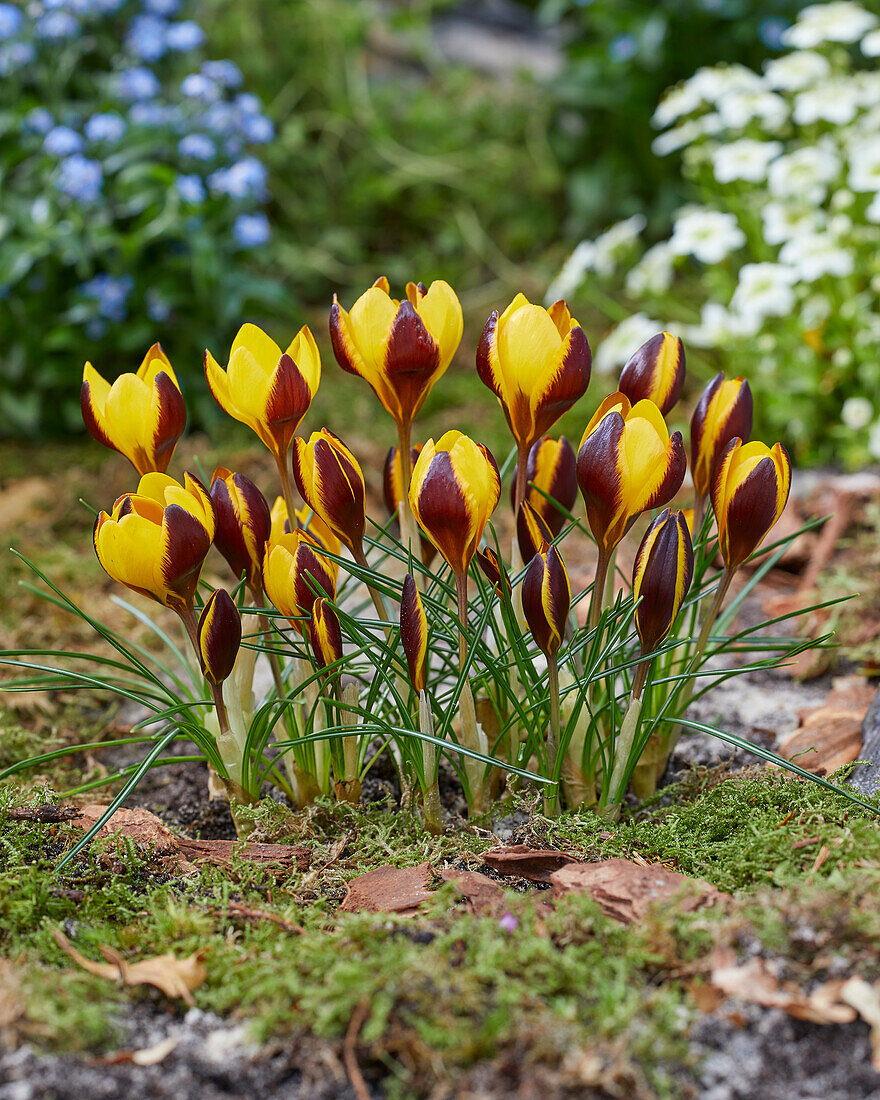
x: 349, y: 1050
x: 235, y: 908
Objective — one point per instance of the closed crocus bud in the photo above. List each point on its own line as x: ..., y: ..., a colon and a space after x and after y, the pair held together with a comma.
x: 414, y: 633
x: 749, y: 491
x: 655, y: 372
x: 244, y: 523
x: 724, y: 412
x: 155, y: 540
x: 325, y: 636
x: 141, y: 415
x: 330, y: 481
x: 400, y: 348
x: 392, y: 477
x: 219, y: 636
x: 537, y: 363
x: 627, y: 463
x: 662, y: 575
x: 546, y: 599
x: 495, y: 573
x: 455, y: 488
x: 551, y: 472
x: 265, y: 388
x: 304, y: 519
x: 532, y: 532
x: 295, y: 574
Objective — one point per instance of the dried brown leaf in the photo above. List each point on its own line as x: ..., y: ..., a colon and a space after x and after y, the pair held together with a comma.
x: 534, y: 864
x: 388, y: 890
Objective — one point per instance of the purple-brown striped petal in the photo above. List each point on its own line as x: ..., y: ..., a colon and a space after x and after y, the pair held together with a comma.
x: 414, y: 633
x: 219, y: 634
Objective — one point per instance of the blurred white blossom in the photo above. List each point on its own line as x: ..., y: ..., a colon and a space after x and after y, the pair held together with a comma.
x: 619, y: 345
x: 610, y: 247
x: 654, y: 272
x: 572, y: 273
x: 804, y: 174
x: 708, y: 235
x: 746, y: 159
x: 816, y: 255
x: 795, y: 71
x: 764, y: 290
x: 738, y: 109
x: 857, y: 413
x: 836, y: 101
x: 782, y: 221
x: 840, y: 21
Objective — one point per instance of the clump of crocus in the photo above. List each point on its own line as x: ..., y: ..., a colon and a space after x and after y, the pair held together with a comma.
x: 141, y: 415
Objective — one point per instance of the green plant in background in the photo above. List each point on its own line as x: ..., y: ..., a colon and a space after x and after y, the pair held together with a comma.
x: 779, y: 257
x: 133, y: 188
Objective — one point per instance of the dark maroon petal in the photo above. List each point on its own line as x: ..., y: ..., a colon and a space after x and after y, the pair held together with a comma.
x: 751, y: 512
x: 675, y: 471
x: 219, y: 636
x: 670, y: 554
x: 533, y: 607
x: 341, y: 488
x: 532, y: 533
x: 414, y: 633
x: 186, y: 544
x: 310, y: 574
x: 172, y: 420
x: 484, y: 368
x: 443, y: 510
x: 228, y: 536
x: 338, y: 340
x: 640, y: 378
x: 598, y: 473
x: 290, y: 397
x: 495, y: 573
x: 411, y: 358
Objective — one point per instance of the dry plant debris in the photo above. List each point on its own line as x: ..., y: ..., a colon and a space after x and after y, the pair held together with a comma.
x: 831, y: 735
x: 536, y: 865
x: 389, y: 890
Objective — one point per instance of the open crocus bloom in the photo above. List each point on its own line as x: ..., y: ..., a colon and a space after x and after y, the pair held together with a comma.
x: 265, y: 388
x: 295, y: 574
x: 331, y: 482
x: 627, y: 463
x: 400, y: 348
x: 749, y: 491
x: 455, y: 488
x: 155, y: 540
x: 140, y: 415
x: 537, y: 363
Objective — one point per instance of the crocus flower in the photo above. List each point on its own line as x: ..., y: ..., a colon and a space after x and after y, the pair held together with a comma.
x: 724, y: 412
x: 662, y: 575
x: 627, y: 463
x: 219, y: 634
x: 325, y: 636
x: 494, y: 571
x: 532, y: 532
x: 414, y: 633
x: 155, y: 541
x: 400, y: 348
x: 536, y: 362
x: 141, y: 415
x: 749, y: 491
x: 304, y: 519
x: 656, y: 372
x: 295, y: 574
x: 243, y: 524
x: 265, y: 388
x: 331, y: 483
x: 550, y: 472
x: 455, y: 488
x: 546, y: 598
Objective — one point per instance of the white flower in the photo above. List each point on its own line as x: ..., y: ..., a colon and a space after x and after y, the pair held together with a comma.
x: 738, y: 109
x: 572, y: 273
x: 745, y: 159
x: 783, y: 221
x: 857, y: 413
x: 653, y: 273
x: 709, y: 235
x: 796, y: 70
x: 718, y: 326
x: 874, y: 440
x: 867, y: 86
x: 763, y: 290
x: 681, y: 100
x: 612, y: 245
x: 804, y: 174
x: 840, y: 21
x: 864, y: 166
x: 619, y: 345
x: 716, y: 83
x: 870, y: 44
x: 815, y: 255
x: 873, y: 211
x: 835, y: 101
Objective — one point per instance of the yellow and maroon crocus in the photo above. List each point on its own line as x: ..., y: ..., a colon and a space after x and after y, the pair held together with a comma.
x: 662, y: 575
x: 219, y: 633
x: 656, y: 372
x: 414, y: 633
x: 750, y: 489
x: 551, y: 472
x: 532, y: 533
x: 331, y: 483
x: 325, y: 638
x: 724, y: 412
x: 244, y: 524
x: 546, y: 596
x: 295, y: 574
x: 155, y: 541
x: 141, y: 415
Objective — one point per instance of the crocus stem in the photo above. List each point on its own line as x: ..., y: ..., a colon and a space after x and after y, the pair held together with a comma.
x: 472, y: 735
x: 522, y: 478
x: 551, y: 800
x: 430, y: 790
x: 266, y: 631
x: 714, y: 610
x: 359, y: 557
x: 409, y: 534
x: 627, y: 734
x: 599, y: 588
x: 461, y: 591
x: 516, y: 562
x: 286, y: 488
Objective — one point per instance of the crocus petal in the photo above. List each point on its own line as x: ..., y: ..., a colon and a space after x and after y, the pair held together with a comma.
x: 219, y: 634
x: 750, y: 488
x: 656, y: 372
x: 662, y: 575
x: 723, y: 413
x: 414, y: 633
x: 546, y: 599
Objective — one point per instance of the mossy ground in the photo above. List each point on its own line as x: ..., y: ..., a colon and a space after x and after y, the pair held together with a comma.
x: 574, y: 994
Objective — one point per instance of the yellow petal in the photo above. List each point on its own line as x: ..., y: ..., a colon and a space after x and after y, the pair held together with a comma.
x: 99, y: 388
x: 440, y: 311
x: 303, y: 350
x: 371, y: 319
x: 528, y: 348
x: 258, y: 344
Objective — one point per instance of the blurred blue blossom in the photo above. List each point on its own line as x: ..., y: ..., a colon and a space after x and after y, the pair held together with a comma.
x: 623, y: 47
x: 147, y: 37
x: 105, y: 126
x: 248, y: 103
x: 152, y: 114
x: 96, y: 329
x: 80, y: 178
x: 158, y: 308
x: 38, y: 121
x: 197, y: 146
x: 137, y: 83
x: 226, y: 73
x: 10, y: 20
x: 198, y: 86
x: 251, y: 230
x: 184, y: 36
x: 162, y: 7
x: 258, y: 130
x: 243, y: 180
x: 56, y: 25
x: 190, y: 188
x: 110, y: 293
x: 771, y: 31
x: 15, y: 55
x: 61, y: 141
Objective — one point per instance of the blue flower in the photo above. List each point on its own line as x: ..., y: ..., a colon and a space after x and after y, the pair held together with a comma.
x: 197, y: 86
x: 38, y: 121
x: 247, y: 103
x: 251, y: 230
x: 226, y: 73
x: 150, y: 114
x: 257, y: 129
x: 147, y: 37
x: 158, y: 308
x: 11, y: 20
x: 96, y: 329
x: 15, y: 55
x: 623, y: 47
x: 219, y: 117
x: 56, y: 25
x: 162, y: 7
x: 771, y: 31
x: 110, y: 293
x: 61, y: 141
x: 137, y: 83
x: 107, y: 126
x: 190, y: 188
x: 80, y: 178
x: 184, y: 36
x: 243, y: 180
x: 197, y: 146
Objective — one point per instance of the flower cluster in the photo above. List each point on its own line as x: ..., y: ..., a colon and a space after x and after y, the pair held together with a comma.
x: 131, y: 159
x: 786, y: 238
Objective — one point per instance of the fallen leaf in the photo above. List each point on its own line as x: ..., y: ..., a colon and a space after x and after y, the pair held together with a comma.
x: 626, y: 890
x: 755, y: 982
x: 534, y: 864
x: 221, y: 852
x: 865, y: 999
x: 148, y: 1056
x: 173, y: 976
x: 141, y: 825
x: 483, y: 895
x: 388, y: 890
x: 830, y: 736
